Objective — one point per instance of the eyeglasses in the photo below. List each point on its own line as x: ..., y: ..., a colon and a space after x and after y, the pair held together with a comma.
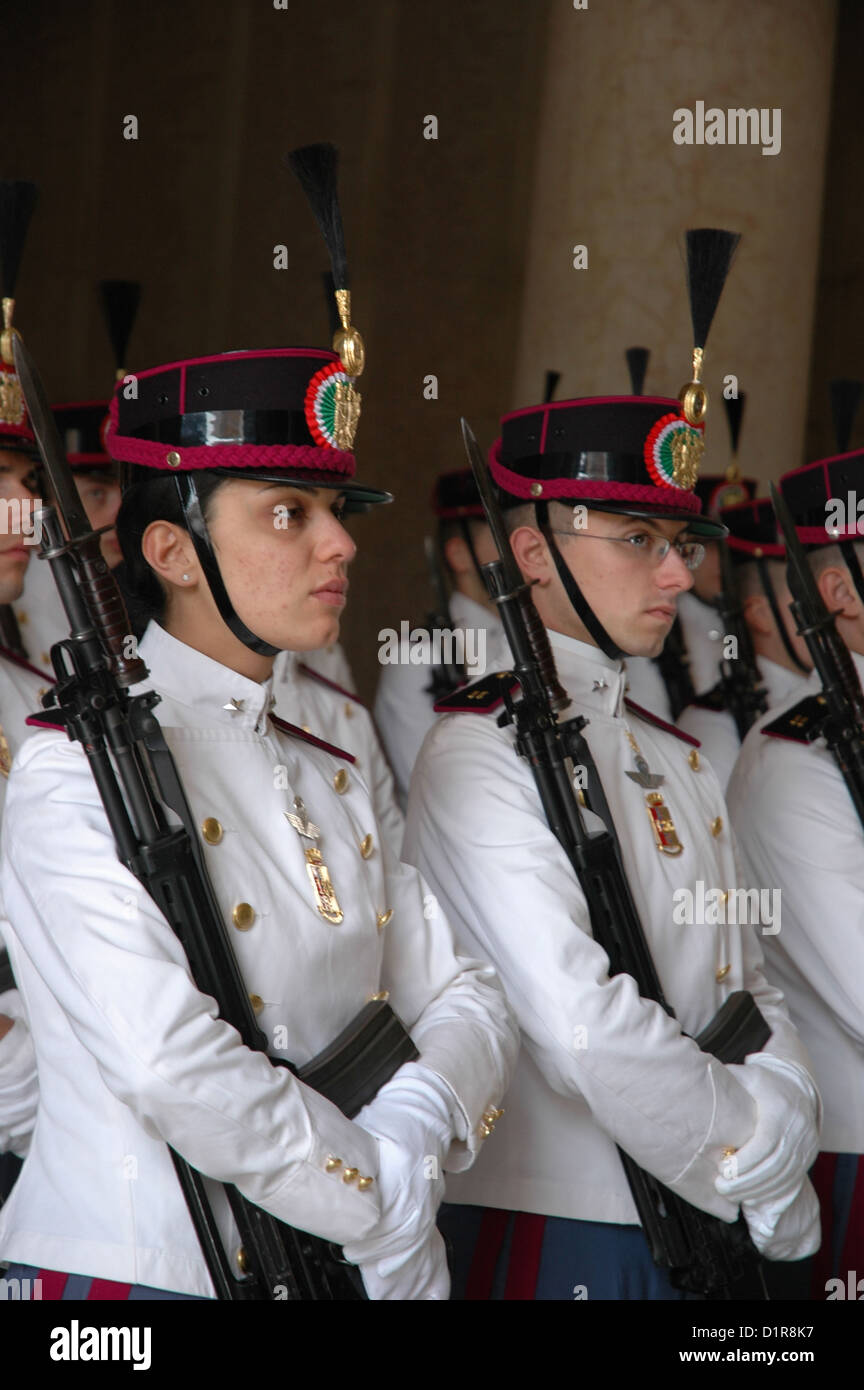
x: 652, y: 549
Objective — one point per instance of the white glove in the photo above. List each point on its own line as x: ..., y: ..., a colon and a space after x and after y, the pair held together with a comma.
x: 790, y: 1234
x: 424, y: 1276
x: 769, y: 1171
x: 403, y: 1257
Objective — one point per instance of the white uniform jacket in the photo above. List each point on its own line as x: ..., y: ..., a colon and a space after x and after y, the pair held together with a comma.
x: 21, y: 691
x: 716, y: 729
x: 703, y: 637
x: 799, y: 832
x: 403, y: 704
x: 312, y: 700
x: 645, y: 685
x: 599, y: 1064
x: 135, y: 1057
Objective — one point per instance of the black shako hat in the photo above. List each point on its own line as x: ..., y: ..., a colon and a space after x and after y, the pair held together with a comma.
x: 753, y: 531
x: 455, y: 497
x: 268, y: 414
x: 637, y: 455
x: 631, y: 454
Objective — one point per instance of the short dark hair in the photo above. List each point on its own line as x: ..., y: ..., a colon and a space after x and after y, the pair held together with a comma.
x: 152, y: 496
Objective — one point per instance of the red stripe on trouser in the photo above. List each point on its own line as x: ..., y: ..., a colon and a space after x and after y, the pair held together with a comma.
x: 482, y: 1273
x: 524, y: 1264
x: 53, y: 1283
x: 822, y: 1177
x: 106, y: 1289
x: 853, y: 1244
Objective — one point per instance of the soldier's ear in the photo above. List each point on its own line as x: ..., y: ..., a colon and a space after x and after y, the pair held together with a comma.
x: 758, y: 615
x: 838, y: 591
x: 457, y: 555
x: 169, y: 552
x: 532, y: 553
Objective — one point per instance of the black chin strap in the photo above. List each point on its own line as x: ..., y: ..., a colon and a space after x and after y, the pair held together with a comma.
x: 197, y: 528
x: 572, y: 590
x: 770, y: 594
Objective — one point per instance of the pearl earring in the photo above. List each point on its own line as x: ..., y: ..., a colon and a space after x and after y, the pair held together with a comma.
x: 185, y: 578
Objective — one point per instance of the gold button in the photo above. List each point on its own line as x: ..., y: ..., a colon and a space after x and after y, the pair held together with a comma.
x: 349, y: 714
x: 716, y: 826
x: 46, y: 659
x: 21, y: 616
x: 722, y: 973
x: 173, y: 459
x: 242, y: 1262
x: 382, y: 994
x: 305, y: 728
x: 364, y: 1183
x: 484, y: 1130
x: 383, y: 918
x: 350, y: 1174
x: 211, y: 830
x: 340, y: 781
x: 536, y: 489
x: 727, y: 1153
x: 693, y: 759
x: 332, y: 1164
x: 43, y: 690
x: 257, y: 1002
x: 367, y: 846
x: 243, y: 916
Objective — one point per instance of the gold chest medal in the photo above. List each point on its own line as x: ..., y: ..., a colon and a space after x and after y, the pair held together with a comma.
x: 662, y: 824
x: 319, y: 875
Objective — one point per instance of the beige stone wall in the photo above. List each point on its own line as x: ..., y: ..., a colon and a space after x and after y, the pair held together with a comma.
x: 609, y: 176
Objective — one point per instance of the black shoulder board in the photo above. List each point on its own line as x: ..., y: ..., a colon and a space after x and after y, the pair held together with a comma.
x: 801, y: 723
x: 661, y: 723
x: 712, y: 699
x: 46, y: 719
x: 480, y: 697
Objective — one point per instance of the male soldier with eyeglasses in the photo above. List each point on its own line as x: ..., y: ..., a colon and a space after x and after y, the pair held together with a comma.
x: 606, y: 527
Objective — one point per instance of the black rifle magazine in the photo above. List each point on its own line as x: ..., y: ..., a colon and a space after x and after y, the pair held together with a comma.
x: 361, y: 1059
x: 736, y: 1030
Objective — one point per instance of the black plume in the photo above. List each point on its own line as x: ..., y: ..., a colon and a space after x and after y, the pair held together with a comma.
x: 845, y: 398
x: 17, y: 201
x: 552, y: 379
x: 332, y: 306
x: 709, y: 256
x: 316, y: 168
x: 120, y: 300
x: 734, y: 411
x: 637, y: 365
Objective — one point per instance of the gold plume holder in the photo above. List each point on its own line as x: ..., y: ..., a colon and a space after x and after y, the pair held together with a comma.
x: 8, y: 332
x: 693, y: 396
x: 12, y: 411
x: 347, y: 342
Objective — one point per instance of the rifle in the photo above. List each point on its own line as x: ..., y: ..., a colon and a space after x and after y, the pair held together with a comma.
x: 138, y: 783
x: 739, y: 686
x: 448, y: 676
x: 701, y: 1253
x: 842, y: 726
x: 673, y: 663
